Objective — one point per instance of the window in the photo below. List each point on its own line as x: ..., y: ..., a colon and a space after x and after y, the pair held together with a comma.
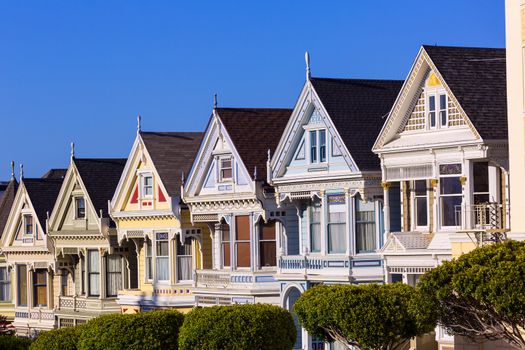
x: 80, y: 208
x: 63, y: 282
x: 162, y: 257
x: 225, y: 243
x: 22, y: 285
x: 226, y: 169
x: 149, y: 259
x: 365, y: 226
x: 93, y: 272
x: 450, y: 194
x: 267, y: 245
x: 114, y: 274
x: 420, y: 205
x: 242, y: 240
x: 28, y: 224
x: 315, y: 226
x: 432, y: 111
x: 40, y: 287
x: 481, y: 183
x: 336, y: 224
x: 147, y: 186
x: 317, y: 146
x: 5, y: 284
x: 83, y: 273
x: 443, y: 116
x: 184, y: 260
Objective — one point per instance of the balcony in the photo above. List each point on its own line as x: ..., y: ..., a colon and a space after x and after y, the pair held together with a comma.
x: 484, y: 223
x: 86, y: 304
x: 219, y: 279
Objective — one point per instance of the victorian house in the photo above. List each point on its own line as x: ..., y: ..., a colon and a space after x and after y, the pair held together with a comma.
x: 91, y: 267
x: 324, y: 168
x: 444, y: 161
x: 227, y: 190
x: 150, y: 215
x: 29, y: 253
x: 7, y: 307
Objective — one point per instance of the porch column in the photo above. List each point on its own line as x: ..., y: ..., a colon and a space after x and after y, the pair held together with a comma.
x: 29, y: 275
x: 233, y: 257
x: 350, y: 223
x: 217, y: 247
x: 254, y: 241
x: 102, y: 275
x: 386, y: 208
x: 324, y: 223
x: 49, y: 289
x: 467, y: 182
x: 138, y: 248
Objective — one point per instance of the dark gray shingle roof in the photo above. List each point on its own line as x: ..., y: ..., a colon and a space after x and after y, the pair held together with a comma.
x: 7, y: 202
x: 43, y: 194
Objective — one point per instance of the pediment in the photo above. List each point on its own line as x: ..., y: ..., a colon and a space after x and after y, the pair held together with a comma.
x: 426, y: 112
x: 311, y: 145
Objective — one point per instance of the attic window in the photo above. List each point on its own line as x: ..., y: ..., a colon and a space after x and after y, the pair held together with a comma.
x: 80, y: 208
x: 28, y: 225
x: 225, y: 168
x: 318, y: 146
x: 147, y: 186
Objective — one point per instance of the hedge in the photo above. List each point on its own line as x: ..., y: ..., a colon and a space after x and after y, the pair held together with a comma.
x: 59, y: 339
x: 12, y: 342
x: 250, y: 326
x: 156, y: 330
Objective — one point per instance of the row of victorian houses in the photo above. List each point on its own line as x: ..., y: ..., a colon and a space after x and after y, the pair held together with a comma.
x: 363, y: 181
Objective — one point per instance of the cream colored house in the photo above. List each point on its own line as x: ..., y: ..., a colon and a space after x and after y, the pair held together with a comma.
x: 29, y: 253
x: 91, y: 267
x: 150, y: 215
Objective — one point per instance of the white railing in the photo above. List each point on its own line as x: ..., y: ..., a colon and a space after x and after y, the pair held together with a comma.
x: 485, y: 216
x: 232, y: 279
x: 305, y: 262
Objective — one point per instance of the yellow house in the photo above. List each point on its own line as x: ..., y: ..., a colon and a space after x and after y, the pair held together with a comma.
x: 148, y: 211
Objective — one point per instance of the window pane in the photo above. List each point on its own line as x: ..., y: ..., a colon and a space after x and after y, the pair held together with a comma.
x: 162, y: 248
x: 421, y: 211
x: 94, y: 263
x: 336, y: 238
x: 322, y: 145
x: 94, y: 281
x: 226, y: 254
x: 81, y: 208
x: 94, y: 272
x: 114, y: 274
x: 40, y: 287
x: 184, y: 268
x: 450, y: 185
x: 184, y: 249
x: 163, y: 272
x: 442, y: 101
x: 481, y: 177
x: 242, y: 228
x: 315, y: 237
x: 450, y: 210
x: 22, y: 285
x: 365, y: 227
x: 5, y: 284
x: 421, y: 187
x: 226, y: 173
x: 268, y: 253
x: 243, y: 254
x: 267, y: 231
x: 443, y: 117
x: 313, y: 146
x: 63, y: 282
x: 432, y: 103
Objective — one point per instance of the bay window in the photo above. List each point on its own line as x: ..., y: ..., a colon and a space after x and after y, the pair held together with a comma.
x: 22, y: 285
x: 5, y: 284
x: 184, y: 260
x: 40, y: 287
x: 336, y: 224
x: 450, y: 194
x: 365, y: 226
x: 242, y: 240
x: 315, y: 226
x: 162, y: 257
x: 267, y: 245
x: 93, y: 273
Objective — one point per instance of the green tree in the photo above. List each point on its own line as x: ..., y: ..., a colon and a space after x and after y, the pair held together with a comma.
x: 378, y: 317
x: 481, y: 295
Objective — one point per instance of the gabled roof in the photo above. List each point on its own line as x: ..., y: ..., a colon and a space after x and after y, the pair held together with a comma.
x: 100, y: 177
x: 253, y: 132
x: 172, y: 154
x: 357, y: 108
x: 43, y: 194
x: 55, y: 174
x: 477, y: 78
x: 7, y: 202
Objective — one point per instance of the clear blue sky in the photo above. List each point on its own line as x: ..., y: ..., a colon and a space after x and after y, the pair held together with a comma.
x: 82, y: 70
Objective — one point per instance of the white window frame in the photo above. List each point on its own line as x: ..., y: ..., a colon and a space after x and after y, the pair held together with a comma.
x: 440, y: 196
x: 220, y: 159
x: 143, y: 194
x: 76, y: 199
x: 436, y: 92
x: 148, y: 277
x: 155, y: 242
x: 25, y: 216
x: 413, y: 206
x: 6, y: 282
x: 317, y: 131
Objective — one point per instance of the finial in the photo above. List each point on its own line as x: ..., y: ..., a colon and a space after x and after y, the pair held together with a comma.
x: 255, y: 173
x: 269, y: 155
x: 72, y: 150
x: 12, y: 170
x: 182, y: 177
x: 138, y: 123
x: 21, y: 171
x: 214, y: 101
x: 307, y: 60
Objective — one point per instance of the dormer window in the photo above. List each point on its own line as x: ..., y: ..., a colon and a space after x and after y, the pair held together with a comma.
x: 80, y: 208
x: 147, y: 186
x: 318, y: 146
x: 28, y: 225
x: 225, y: 168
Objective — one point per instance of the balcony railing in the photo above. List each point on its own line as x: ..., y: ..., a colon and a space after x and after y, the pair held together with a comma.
x: 487, y: 221
x: 79, y: 303
x: 233, y: 279
x: 304, y: 262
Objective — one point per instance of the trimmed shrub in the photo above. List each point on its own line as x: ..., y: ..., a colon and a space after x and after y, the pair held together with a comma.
x: 14, y: 343
x: 251, y: 326
x: 156, y: 330
x: 59, y: 339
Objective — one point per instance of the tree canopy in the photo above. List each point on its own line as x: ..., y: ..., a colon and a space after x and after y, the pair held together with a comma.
x: 367, y: 316
x: 481, y: 295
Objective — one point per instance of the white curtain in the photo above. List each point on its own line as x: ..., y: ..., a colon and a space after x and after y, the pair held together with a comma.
x: 336, y: 233
x: 114, y: 274
x: 365, y: 227
x: 5, y: 284
x: 163, y: 268
x: 184, y: 268
x: 94, y: 272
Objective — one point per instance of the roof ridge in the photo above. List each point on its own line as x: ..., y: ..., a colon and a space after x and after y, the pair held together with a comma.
x: 357, y: 79
x: 464, y: 47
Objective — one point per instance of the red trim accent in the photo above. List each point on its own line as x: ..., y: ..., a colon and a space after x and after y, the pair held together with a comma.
x: 162, y: 198
x: 135, y: 197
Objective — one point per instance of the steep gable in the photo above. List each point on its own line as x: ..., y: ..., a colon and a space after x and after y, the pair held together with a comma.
x: 6, y: 203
